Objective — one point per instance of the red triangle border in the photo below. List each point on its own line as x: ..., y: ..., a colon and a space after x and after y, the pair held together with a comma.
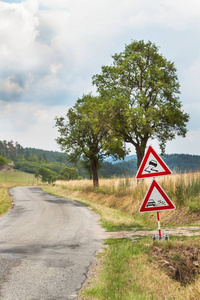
x: 143, y: 207
x: 139, y: 174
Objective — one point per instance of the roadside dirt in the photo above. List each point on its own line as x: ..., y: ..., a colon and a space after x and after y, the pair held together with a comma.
x: 6, y: 168
x: 180, y: 262
x: 186, y: 231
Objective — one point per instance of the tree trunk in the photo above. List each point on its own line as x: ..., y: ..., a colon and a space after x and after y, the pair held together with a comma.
x: 140, y: 154
x: 95, y: 174
x: 140, y: 149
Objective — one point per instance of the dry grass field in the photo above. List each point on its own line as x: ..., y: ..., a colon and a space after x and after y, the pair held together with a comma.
x: 126, y: 195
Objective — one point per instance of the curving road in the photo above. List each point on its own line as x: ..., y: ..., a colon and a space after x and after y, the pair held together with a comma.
x: 46, y: 246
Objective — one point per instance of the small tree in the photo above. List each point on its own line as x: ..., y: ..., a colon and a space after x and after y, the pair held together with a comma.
x: 68, y: 173
x: 2, y: 161
x: 141, y: 97
x: 46, y: 175
x: 83, y: 135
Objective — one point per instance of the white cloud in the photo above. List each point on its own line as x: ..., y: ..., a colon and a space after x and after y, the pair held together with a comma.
x: 188, y: 145
x: 74, y: 38
x: 30, y: 124
x: 50, y: 49
x: 177, y: 14
x: 24, y: 60
x: 191, y: 81
x: 8, y: 85
x: 17, y: 34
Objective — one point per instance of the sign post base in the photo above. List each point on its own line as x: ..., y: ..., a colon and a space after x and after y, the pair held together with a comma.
x: 163, y: 237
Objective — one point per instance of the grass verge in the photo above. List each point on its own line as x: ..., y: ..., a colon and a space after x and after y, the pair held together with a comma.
x: 135, y: 271
x: 5, y: 200
x: 126, y: 195
x: 17, y: 177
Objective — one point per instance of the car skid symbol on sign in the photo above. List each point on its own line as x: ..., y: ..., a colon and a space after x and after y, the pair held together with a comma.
x: 152, y: 203
x: 151, y: 167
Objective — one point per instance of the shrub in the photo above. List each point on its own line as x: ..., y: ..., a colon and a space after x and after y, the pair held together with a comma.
x: 46, y: 175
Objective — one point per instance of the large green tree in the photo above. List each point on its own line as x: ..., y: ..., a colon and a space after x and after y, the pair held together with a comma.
x: 141, y: 97
x: 83, y: 135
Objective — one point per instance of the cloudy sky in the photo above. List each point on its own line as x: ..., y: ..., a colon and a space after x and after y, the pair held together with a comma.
x: 50, y: 50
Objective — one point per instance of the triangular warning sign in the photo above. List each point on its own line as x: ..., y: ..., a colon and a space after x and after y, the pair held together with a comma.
x: 156, y: 199
x: 152, y: 165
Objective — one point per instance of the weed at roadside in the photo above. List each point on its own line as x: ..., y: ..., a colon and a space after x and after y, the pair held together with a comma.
x: 128, y: 271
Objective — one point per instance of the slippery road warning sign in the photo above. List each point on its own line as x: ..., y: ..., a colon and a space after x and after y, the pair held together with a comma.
x: 156, y: 199
x: 152, y: 165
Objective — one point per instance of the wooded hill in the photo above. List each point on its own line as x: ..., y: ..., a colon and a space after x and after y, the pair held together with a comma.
x: 30, y: 159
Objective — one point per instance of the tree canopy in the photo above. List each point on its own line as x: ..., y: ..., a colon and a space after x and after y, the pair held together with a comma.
x: 46, y: 175
x: 68, y: 173
x: 140, y: 97
x: 83, y: 134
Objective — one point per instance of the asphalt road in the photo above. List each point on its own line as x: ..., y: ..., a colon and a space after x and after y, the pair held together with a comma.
x: 46, y: 246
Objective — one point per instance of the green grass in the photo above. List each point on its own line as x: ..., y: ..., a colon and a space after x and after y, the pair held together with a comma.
x: 18, y: 177
x: 115, y: 281
x: 5, y: 200
x: 127, y: 271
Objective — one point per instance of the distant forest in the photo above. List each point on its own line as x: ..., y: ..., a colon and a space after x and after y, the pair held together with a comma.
x: 30, y: 159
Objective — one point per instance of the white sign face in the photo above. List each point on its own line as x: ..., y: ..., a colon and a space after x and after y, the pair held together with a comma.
x: 156, y: 199
x: 152, y: 165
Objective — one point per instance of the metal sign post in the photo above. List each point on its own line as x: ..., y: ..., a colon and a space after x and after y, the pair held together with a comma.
x: 159, y: 230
